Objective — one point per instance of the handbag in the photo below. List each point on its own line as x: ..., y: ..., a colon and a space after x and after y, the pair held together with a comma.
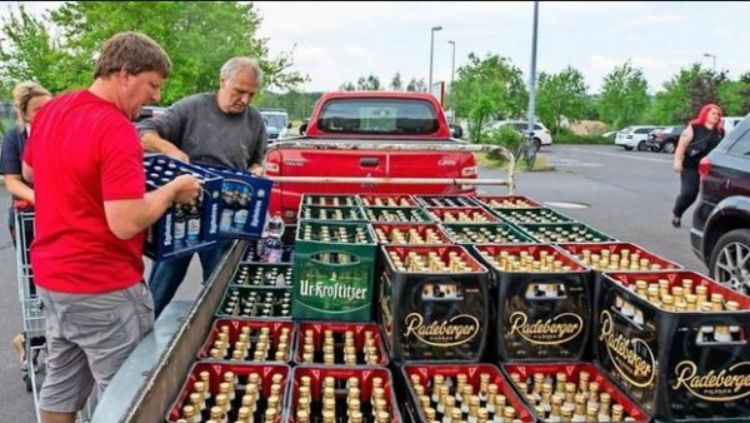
x: 700, y: 147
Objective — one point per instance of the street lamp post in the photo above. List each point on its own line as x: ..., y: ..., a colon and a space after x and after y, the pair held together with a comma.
x: 713, y: 56
x: 531, y: 113
x: 432, y: 47
x: 453, y: 63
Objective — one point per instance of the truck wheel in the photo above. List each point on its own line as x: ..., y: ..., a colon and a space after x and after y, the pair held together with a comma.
x: 729, y: 263
x: 642, y: 146
x: 668, y: 148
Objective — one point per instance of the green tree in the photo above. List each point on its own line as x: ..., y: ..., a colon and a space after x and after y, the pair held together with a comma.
x: 396, y: 84
x: 624, y: 96
x: 688, y: 91
x: 734, y: 96
x: 487, y: 88
x: 199, y: 37
x: 347, y: 86
x: 416, y: 85
x: 561, y: 94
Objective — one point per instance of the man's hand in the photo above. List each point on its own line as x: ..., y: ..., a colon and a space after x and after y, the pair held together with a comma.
x: 257, y: 170
x: 176, y: 153
x: 186, y: 189
x: 677, y: 166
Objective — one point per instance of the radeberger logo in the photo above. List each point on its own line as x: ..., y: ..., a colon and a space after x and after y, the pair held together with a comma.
x: 632, y: 357
x: 456, y: 331
x: 558, y: 330
x: 727, y: 385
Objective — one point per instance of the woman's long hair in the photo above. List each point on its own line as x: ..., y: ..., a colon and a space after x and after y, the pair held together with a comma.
x: 22, y: 94
x: 703, y: 117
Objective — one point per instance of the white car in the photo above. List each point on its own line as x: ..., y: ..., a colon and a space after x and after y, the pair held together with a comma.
x: 541, y: 135
x: 634, y: 137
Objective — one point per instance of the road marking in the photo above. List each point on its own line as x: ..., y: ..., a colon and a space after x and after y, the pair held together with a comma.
x: 619, y: 156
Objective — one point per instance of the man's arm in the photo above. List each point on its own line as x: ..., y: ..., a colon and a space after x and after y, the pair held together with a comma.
x: 163, y: 134
x: 256, y: 161
x: 127, y: 218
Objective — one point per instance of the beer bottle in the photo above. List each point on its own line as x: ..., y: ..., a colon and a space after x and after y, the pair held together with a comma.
x: 205, y: 377
x: 217, y: 414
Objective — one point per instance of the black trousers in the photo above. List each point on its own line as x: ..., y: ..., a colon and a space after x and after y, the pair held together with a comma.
x: 689, y: 188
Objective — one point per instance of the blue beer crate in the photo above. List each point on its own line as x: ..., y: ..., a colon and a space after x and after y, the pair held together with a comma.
x: 183, y: 229
x: 244, y: 202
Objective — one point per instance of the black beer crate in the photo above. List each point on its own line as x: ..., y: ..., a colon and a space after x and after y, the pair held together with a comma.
x: 341, y: 375
x: 446, y: 201
x: 680, y: 365
x: 330, y: 200
x: 485, y: 233
x: 388, y: 200
x: 337, y: 331
x: 424, y: 376
x: 263, y: 274
x: 564, y: 233
x: 600, y: 257
x: 430, y: 314
x: 532, y: 216
x: 183, y: 229
x: 396, y: 215
x: 281, y: 336
x: 255, y: 302
x: 463, y: 215
x: 543, y: 314
x: 522, y: 375
x: 413, y: 233
x: 214, y: 373
x: 499, y: 202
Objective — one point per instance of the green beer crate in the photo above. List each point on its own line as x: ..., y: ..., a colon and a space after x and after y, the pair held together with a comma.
x: 532, y: 216
x: 330, y: 200
x: 348, y: 214
x: 488, y: 233
x: 333, y: 271
x: 396, y: 215
x: 562, y: 233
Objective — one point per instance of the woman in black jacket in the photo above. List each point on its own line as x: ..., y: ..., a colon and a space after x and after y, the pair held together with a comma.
x: 697, y: 140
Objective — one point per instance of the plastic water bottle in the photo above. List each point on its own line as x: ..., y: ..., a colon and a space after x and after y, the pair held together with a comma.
x: 273, y: 248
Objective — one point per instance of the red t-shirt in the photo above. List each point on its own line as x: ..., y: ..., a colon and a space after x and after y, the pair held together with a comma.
x: 83, y: 151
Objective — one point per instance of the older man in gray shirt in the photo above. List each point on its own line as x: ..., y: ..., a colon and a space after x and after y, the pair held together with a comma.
x: 215, y: 128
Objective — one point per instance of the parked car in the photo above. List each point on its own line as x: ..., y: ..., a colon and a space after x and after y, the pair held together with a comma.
x: 634, y: 137
x: 148, y: 112
x: 720, y: 235
x: 730, y: 122
x: 277, y: 123
x: 664, y: 139
x: 541, y: 135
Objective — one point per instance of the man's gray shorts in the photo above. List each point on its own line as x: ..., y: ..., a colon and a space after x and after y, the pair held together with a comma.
x: 88, y: 337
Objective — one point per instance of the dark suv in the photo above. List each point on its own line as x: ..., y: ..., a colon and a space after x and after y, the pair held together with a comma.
x: 664, y: 139
x: 721, y: 224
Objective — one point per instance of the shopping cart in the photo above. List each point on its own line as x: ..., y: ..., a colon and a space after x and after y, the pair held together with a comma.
x: 32, y: 308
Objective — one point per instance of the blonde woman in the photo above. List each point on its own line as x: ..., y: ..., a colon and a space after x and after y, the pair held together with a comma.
x: 28, y: 98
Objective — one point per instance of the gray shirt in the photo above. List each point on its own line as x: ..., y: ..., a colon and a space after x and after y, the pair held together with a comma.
x: 197, y: 126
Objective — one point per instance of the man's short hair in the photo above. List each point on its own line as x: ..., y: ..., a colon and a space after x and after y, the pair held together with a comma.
x: 134, y: 53
x: 235, y: 64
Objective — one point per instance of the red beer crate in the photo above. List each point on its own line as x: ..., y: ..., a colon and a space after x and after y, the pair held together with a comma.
x: 338, y: 331
x: 686, y: 365
x: 215, y: 372
x: 543, y: 313
x: 527, y: 374
x: 234, y: 328
x: 425, y: 374
x: 465, y: 215
x: 385, y: 233
x: 587, y: 252
x: 388, y: 200
x: 365, y: 376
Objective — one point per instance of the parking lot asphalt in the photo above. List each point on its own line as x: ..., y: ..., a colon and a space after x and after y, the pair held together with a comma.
x: 628, y: 195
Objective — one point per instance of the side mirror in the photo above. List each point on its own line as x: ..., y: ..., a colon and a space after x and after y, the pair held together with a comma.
x: 302, y: 129
x: 289, y: 125
x: 457, y: 131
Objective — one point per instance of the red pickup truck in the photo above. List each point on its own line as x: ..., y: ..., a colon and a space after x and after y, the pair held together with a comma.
x: 372, y: 117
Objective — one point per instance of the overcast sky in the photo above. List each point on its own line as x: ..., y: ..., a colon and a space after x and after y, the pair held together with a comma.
x: 341, y: 41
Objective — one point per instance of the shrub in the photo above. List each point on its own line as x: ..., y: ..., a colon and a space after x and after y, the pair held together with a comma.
x: 566, y: 136
x: 509, y: 138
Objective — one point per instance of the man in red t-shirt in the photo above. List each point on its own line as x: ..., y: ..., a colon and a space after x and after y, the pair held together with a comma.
x: 86, y: 162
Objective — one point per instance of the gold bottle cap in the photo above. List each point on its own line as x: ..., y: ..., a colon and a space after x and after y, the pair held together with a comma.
x: 216, y: 412
x: 188, y: 411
